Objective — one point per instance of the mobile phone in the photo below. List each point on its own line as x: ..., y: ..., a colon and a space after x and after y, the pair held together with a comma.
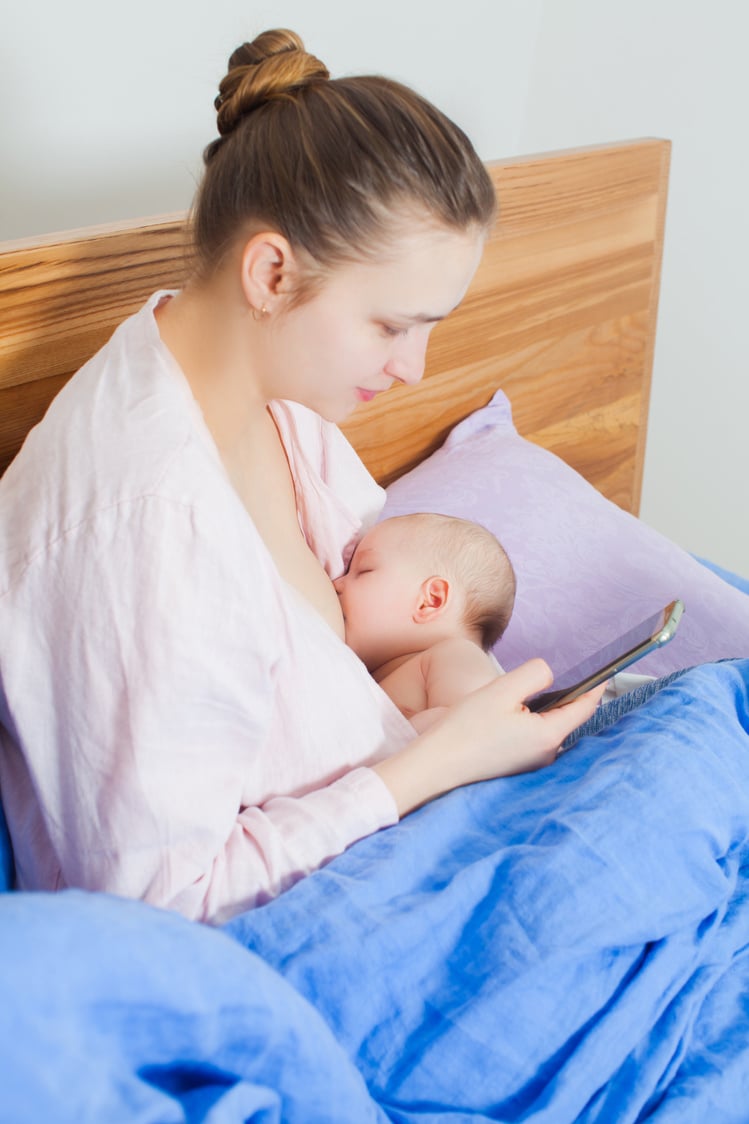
x: 620, y: 653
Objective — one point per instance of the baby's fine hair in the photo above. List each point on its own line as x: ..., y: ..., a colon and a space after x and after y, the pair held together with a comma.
x: 473, y: 557
x: 329, y: 163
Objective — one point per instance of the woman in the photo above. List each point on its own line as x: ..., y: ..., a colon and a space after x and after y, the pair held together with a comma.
x: 183, y: 721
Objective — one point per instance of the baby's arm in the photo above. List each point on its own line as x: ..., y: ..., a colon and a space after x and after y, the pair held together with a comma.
x: 451, y: 670
x: 424, y: 686
x: 406, y: 686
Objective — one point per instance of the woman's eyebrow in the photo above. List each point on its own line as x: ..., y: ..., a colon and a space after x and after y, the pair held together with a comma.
x: 425, y: 318
x: 429, y: 318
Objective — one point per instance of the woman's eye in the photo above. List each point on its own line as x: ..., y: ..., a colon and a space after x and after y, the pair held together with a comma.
x: 391, y: 330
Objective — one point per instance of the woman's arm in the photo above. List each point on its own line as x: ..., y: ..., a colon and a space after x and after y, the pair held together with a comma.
x: 141, y: 661
x: 143, y: 653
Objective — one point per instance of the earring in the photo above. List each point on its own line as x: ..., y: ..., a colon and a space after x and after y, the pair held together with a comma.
x: 259, y: 314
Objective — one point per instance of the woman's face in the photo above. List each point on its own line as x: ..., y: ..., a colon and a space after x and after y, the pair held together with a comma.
x: 368, y: 325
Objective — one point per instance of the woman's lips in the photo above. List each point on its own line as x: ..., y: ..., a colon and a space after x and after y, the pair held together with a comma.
x: 366, y: 395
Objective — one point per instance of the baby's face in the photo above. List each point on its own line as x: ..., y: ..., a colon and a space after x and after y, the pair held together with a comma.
x: 378, y: 595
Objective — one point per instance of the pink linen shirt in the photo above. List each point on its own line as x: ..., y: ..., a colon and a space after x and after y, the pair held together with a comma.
x: 179, y: 725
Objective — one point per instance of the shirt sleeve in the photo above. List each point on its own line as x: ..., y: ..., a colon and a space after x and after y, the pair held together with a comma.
x: 153, y: 667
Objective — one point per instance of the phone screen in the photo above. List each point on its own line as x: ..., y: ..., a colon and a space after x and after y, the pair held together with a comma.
x: 620, y: 653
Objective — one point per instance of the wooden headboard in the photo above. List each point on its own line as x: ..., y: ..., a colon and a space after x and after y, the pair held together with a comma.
x: 561, y: 315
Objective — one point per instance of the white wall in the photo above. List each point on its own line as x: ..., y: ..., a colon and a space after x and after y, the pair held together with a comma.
x: 607, y: 70
x: 104, y: 118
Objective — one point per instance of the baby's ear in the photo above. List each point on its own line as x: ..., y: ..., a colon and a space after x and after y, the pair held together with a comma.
x: 434, y: 594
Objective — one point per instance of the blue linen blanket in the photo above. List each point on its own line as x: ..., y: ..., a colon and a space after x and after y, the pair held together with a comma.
x: 570, y: 945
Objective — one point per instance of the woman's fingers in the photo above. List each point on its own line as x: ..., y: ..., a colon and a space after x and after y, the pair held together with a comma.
x: 535, y: 675
x: 562, y: 720
x: 525, y: 680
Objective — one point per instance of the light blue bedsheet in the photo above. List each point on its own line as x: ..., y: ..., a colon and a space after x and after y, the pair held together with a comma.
x: 728, y: 576
x: 112, y: 1012
x: 571, y: 945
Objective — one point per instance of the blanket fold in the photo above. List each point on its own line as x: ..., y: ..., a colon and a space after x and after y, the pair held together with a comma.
x: 543, y: 947
x: 565, y: 946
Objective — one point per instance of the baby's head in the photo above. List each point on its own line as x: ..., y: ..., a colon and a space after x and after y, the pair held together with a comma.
x: 417, y: 579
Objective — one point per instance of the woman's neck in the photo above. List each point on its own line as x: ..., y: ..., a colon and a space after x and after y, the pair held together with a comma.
x: 209, y: 331
x: 215, y: 341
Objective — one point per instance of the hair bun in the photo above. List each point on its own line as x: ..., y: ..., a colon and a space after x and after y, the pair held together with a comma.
x: 273, y: 64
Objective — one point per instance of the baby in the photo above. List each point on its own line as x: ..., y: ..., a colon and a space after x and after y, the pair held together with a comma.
x: 424, y: 599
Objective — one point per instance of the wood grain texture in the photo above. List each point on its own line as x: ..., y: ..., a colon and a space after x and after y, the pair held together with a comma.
x: 561, y: 315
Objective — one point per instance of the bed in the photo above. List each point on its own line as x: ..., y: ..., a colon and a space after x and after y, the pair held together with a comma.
x: 570, y: 945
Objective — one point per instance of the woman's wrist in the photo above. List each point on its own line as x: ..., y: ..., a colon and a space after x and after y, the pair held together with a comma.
x: 418, y: 773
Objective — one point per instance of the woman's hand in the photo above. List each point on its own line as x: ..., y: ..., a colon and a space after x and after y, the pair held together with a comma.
x: 490, y: 733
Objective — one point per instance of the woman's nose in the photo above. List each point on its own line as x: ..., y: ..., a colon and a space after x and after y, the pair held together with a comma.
x: 407, y: 365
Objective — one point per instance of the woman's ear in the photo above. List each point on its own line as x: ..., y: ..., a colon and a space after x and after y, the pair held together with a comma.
x: 268, y: 270
x: 434, y: 594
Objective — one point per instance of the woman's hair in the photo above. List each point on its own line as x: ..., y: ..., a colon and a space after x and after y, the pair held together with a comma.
x: 473, y: 557
x: 327, y: 162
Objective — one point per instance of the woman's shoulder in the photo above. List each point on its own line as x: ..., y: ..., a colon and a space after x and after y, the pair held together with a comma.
x: 121, y: 416
x: 121, y: 442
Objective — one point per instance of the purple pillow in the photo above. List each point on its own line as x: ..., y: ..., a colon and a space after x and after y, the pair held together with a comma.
x: 587, y: 570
